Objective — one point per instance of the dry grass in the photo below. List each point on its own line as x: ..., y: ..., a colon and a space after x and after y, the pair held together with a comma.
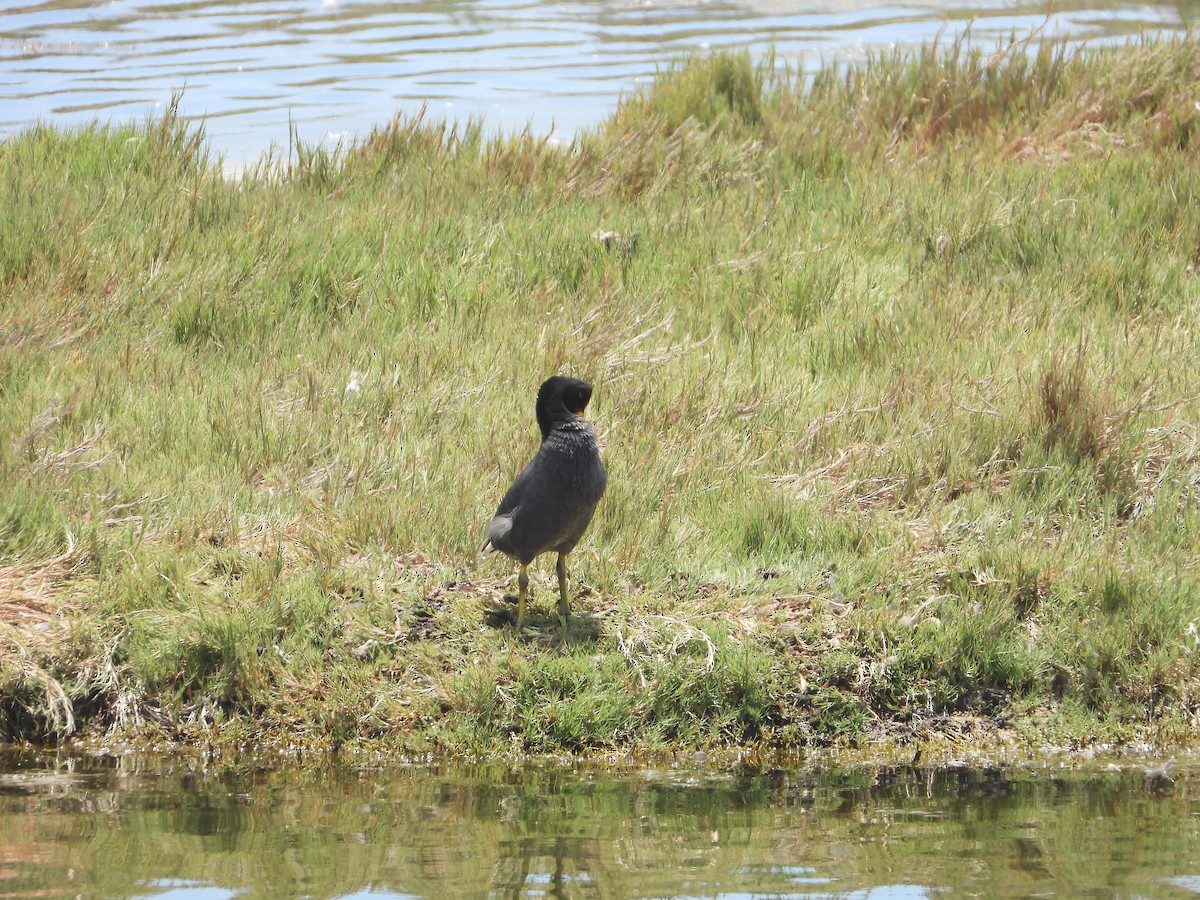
x: 32, y: 596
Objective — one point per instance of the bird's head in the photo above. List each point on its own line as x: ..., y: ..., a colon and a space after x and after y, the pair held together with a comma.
x: 560, y: 399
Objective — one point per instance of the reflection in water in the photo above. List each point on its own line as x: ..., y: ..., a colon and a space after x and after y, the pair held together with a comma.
x: 339, y: 67
x: 134, y: 826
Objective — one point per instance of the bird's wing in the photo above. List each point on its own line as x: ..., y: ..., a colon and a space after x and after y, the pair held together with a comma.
x: 502, y: 522
x: 512, y: 497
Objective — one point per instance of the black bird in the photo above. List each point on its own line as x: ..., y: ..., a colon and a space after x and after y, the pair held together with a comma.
x: 551, y: 503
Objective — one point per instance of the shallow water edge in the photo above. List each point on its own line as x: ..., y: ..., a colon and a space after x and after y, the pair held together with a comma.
x: 939, y: 752
x: 166, y: 825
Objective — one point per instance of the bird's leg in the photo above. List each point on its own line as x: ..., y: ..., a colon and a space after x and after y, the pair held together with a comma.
x: 564, y: 606
x: 522, y: 591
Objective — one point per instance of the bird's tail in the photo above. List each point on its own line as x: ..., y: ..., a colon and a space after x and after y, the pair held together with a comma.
x: 495, y: 531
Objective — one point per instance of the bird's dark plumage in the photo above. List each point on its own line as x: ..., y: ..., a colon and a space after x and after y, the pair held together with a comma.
x: 552, y: 501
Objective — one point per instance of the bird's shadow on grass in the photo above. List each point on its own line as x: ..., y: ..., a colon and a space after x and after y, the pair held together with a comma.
x: 542, y: 627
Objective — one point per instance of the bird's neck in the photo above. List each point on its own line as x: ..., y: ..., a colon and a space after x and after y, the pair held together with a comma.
x: 550, y: 425
x: 570, y: 432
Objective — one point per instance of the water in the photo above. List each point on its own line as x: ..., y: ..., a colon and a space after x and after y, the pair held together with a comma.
x: 132, y: 826
x: 336, y: 68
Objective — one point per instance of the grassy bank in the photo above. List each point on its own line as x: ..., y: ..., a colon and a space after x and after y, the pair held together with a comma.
x: 897, y: 368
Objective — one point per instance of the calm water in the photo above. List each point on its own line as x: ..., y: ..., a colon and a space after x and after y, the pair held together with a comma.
x: 335, y: 68
x: 143, y: 827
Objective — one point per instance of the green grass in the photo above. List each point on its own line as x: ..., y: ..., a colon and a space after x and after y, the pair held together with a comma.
x: 898, y: 386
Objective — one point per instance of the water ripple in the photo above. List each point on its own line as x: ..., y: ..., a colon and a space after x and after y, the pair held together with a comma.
x: 254, y: 68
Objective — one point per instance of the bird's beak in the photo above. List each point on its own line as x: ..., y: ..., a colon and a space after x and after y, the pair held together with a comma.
x: 579, y: 412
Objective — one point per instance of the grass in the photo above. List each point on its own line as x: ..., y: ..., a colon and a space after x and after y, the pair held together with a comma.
x: 896, y: 368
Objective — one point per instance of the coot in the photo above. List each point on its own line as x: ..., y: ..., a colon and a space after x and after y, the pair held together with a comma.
x: 551, y: 503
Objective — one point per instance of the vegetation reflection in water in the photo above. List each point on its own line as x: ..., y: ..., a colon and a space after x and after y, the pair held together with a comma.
x: 139, y: 827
